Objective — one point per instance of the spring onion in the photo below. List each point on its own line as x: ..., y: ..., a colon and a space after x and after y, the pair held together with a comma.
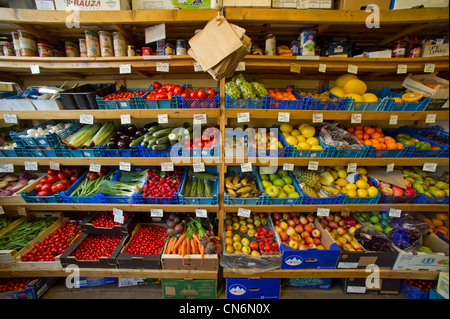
x: 116, y: 188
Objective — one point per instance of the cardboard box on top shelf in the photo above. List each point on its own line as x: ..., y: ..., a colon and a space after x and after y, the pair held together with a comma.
x: 315, y: 4
x: 358, y: 4
x: 171, y: 4
x: 100, y: 5
x: 286, y: 4
x: 247, y: 3
x: 408, y: 4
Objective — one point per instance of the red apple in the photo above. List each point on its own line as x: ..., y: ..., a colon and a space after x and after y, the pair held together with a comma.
x: 397, y: 190
x: 293, y: 244
x: 284, y: 236
x: 333, y: 224
x: 293, y: 214
x: 350, y: 222
x: 278, y: 229
x: 409, y: 191
x: 276, y: 216
x: 299, y: 228
x: 291, y: 222
x: 229, y: 227
x: 302, y: 247
x: 309, y: 227
x: 387, y: 191
x: 283, y: 225
x: 311, y: 218
x: 330, y: 218
x: 337, y: 218
x: 296, y: 220
x: 341, y: 230
x: 254, y: 245
x: 316, y: 233
x: 309, y: 241
x: 303, y: 220
x: 286, y: 216
x: 317, y: 241
x: 312, y: 246
x: 290, y: 231
x: 305, y: 234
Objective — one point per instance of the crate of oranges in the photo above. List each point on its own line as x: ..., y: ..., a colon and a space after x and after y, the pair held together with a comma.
x: 382, y: 144
x: 285, y: 99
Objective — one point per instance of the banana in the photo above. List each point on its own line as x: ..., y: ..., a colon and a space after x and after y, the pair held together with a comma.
x: 244, y: 181
x: 230, y: 185
x: 235, y: 179
x: 229, y: 178
x: 244, y: 190
x: 245, y: 195
x: 231, y: 192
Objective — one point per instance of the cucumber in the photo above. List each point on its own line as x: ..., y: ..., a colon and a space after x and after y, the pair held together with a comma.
x: 153, y: 129
x: 173, y: 138
x: 160, y: 147
x: 163, y: 140
x: 152, y: 142
x: 137, y: 141
x: 163, y: 132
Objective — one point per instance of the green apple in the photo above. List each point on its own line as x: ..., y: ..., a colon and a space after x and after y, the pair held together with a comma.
x: 266, y: 184
x: 272, y: 191
x: 287, y: 179
x: 279, y: 182
x: 282, y: 195
x: 293, y: 195
x: 289, y: 188
x: 273, y: 177
x: 282, y: 172
x: 264, y: 177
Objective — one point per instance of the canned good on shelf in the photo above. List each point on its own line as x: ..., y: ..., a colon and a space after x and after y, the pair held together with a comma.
x: 83, y: 48
x: 45, y: 50
x: 168, y: 49
x: 27, y: 44
x: 146, y: 51
x: 131, y: 51
x: 8, y: 49
x: 119, y: 44
x: 59, y: 54
x: 71, y: 49
x: 92, y: 44
x: 106, y: 44
x: 181, y: 47
x: 16, y: 42
x: 160, y: 44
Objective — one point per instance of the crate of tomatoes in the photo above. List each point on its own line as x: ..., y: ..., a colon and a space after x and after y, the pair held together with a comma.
x: 142, y: 249
x: 25, y: 288
x: 161, y: 96
x: 49, y: 187
x: 123, y: 99
x: 105, y: 223
x: 198, y: 98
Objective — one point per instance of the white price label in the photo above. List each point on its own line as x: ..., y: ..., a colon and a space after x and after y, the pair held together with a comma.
x: 356, y: 289
x: 156, y: 212
x: 295, y: 68
x: 356, y: 118
x: 402, y: 69
x: 390, y: 167
x: 244, y: 212
x: 395, y: 212
x: 351, y: 167
x: 240, y: 66
x: 2, y: 211
x: 162, y: 67
x: 125, y: 119
x: 246, y: 167
x: 429, y: 67
x: 200, y: 119
x: 352, y: 69
x: 198, y: 167
x: 198, y: 67
x: 30, y: 166
x: 35, y: 69
x: 10, y: 118
x: 393, y: 119
x: 123, y: 104
x: 6, y: 168
x: 243, y: 117
x: 22, y: 211
x: 125, y: 68
x: 313, y: 165
x: 322, y: 68
x: 167, y: 166
x: 323, y: 211
x: 125, y: 166
x: 429, y: 167
x: 203, y: 213
x: 118, y: 215
x: 288, y: 167
x: 54, y: 166
x: 163, y: 118
x: 86, y: 119
x: 317, y: 118
x: 284, y: 117
x: 430, y: 119
x: 96, y: 168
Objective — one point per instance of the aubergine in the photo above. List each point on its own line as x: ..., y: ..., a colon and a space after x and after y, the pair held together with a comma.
x: 131, y: 129
x: 112, y: 144
x: 123, y: 144
x: 138, y: 133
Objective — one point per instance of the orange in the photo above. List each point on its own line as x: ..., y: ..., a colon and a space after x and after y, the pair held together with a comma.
x: 400, y: 146
x: 359, y: 131
x: 359, y: 127
x: 412, y: 97
x: 289, y: 89
x: 376, y: 135
x: 391, y: 146
x: 397, y: 99
x: 437, y: 222
x: 276, y: 90
x: 377, y: 146
x: 378, y: 129
x: 359, y: 136
x: 442, y: 216
x: 351, y: 129
x: 383, y: 146
x: 366, y: 127
x: 381, y: 134
x: 370, y: 131
x: 388, y: 139
x: 367, y: 142
x: 366, y: 136
x: 375, y: 141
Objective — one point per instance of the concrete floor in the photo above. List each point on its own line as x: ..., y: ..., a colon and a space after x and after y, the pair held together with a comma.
x: 154, y: 291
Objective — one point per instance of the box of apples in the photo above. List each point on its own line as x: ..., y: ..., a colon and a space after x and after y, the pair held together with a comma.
x: 250, y: 243
x: 304, y: 243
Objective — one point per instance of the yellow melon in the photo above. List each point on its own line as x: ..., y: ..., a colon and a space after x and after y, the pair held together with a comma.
x: 356, y: 97
x: 340, y: 81
x: 370, y: 97
x: 338, y: 91
x: 355, y: 86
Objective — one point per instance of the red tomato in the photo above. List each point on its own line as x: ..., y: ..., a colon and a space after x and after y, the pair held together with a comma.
x: 185, y: 95
x: 43, y: 193
x: 62, y: 175
x: 177, y: 90
x: 52, y: 179
x: 52, y: 172
x: 68, y: 171
x: 46, y: 187
x: 193, y: 95
x: 201, y: 94
x: 73, y: 178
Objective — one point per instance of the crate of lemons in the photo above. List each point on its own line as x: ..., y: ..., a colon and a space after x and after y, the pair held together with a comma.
x: 302, y: 136
x: 346, y: 183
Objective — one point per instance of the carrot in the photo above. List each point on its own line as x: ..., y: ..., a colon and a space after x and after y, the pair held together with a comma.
x: 202, y: 250
x: 195, y: 237
x: 193, y: 247
x: 183, y: 248
x: 188, y: 246
x: 180, y: 240
x: 168, y: 246
x: 172, y: 242
x: 217, y: 237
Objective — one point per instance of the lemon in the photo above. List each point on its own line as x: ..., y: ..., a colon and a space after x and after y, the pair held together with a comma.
x: 355, y: 86
x: 295, y: 132
x: 341, y: 182
x: 301, y: 138
x: 312, y: 140
x: 308, y: 131
x: 352, y: 193
x: 280, y: 145
x: 285, y: 127
x: 364, y: 178
x: 286, y: 134
x: 291, y: 140
x: 316, y: 147
x: 338, y: 168
x: 372, y: 191
x: 343, y: 190
x: 362, y: 184
x: 333, y: 173
x: 350, y: 186
x: 338, y: 187
x: 362, y: 192
x: 340, y: 81
x: 303, y: 146
x: 342, y: 173
x: 361, y: 170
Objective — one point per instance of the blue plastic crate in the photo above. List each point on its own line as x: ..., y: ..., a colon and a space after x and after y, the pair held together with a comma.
x: 135, y: 102
x: 211, y: 200
x: 328, y: 151
x: 308, y: 200
x: 228, y: 200
x: 415, y: 152
x: 82, y: 152
x: 360, y: 200
x: 412, y: 292
x: 39, y: 152
x: 130, y: 152
x: 262, y: 103
x: 404, y: 106
x: 144, y: 103
x: 213, y: 103
x: 436, y: 130
x: 286, y: 104
x: 406, y: 151
x: 385, y: 199
x: 281, y: 201
x: 265, y: 152
x: 424, y: 199
x: 50, y: 139
x: 173, y: 200
x: 435, y: 295
x: 146, y: 152
x: 31, y: 197
x: 8, y: 153
x: 353, y: 153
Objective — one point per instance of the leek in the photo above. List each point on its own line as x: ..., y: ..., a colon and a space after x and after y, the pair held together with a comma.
x: 104, y: 134
x: 116, y: 188
x: 87, y: 132
x: 133, y: 177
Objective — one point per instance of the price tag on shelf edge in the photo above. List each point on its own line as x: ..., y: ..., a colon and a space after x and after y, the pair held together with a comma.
x: 167, y: 166
x: 125, y: 68
x: 156, y: 212
x: 322, y: 68
x: 34, y: 68
x: 313, y: 165
x: 390, y: 167
x: 429, y: 67
x: 243, y: 117
x: 295, y: 68
x: 123, y: 166
x: 200, y: 119
x: 30, y: 166
x: 430, y: 119
x: 86, y: 119
x: 323, y: 212
x: 402, y: 69
x: 352, y: 69
x: 395, y: 212
x: 10, y: 118
x: 203, y: 213
x: 125, y: 119
x: 393, y: 119
x: 198, y: 67
x: 22, y: 211
x: 429, y: 167
x: 246, y: 167
x: 2, y: 211
x: 244, y: 212
x: 284, y: 117
x: 95, y: 167
x: 118, y: 215
x: 163, y: 118
x: 198, y: 167
x: 288, y: 167
x: 240, y: 66
x: 162, y: 67
x: 351, y: 167
x: 317, y: 118
x: 356, y: 118
x: 55, y: 166
x: 6, y: 168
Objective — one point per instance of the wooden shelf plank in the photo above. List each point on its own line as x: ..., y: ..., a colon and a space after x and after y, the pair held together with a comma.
x: 334, y: 273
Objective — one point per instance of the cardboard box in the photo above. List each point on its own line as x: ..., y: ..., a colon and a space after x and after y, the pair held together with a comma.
x: 286, y: 4
x: 169, y: 4
x: 313, y: 283
x: 315, y: 4
x: 247, y: 3
x: 138, y: 261
x: 435, y: 50
x: 253, y: 288
x: 358, y: 286
x: 339, y: 46
x: 84, y: 282
x: 35, y: 290
x: 358, y: 4
x: 312, y: 258
x: 189, y: 288
x: 102, y: 5
x: 442, y: 285
x: 436, y: 261
x: 123, y: 229
x: 408, y: 4
x: 417, y: 83
x: 45, y: 4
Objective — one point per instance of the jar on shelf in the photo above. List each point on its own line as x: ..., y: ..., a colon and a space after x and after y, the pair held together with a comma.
x: 16, y: 42
x: 399, y: 49
x: 83, y: 48
x: 27, y: 44
x: 45, y: 50
x: 106, y: 44
x: 119, y: 44
x: 271, y: 45
x: 131, y: 50
x: 181, y: 47
x: 92, y: 44
x: 71, y: 49
x: 8, y: 49
x: 415, y: 48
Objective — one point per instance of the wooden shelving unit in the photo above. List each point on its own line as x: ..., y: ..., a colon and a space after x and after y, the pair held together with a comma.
x: 285, y: 24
